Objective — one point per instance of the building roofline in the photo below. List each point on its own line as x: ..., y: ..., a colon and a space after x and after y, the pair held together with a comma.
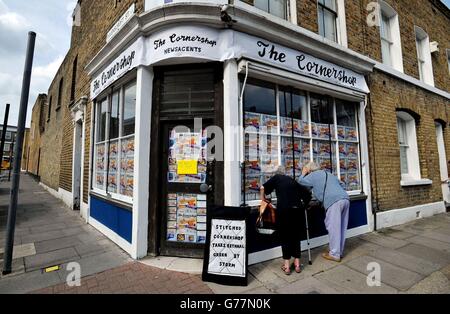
x: 442, y: 7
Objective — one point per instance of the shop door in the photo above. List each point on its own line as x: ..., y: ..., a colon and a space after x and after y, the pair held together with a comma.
x: 187, y: 183
x: 442, y: 162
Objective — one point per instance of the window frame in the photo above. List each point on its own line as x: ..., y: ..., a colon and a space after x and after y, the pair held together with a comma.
x: 412, y: 152
x: 424, y: 61
x: 291, y: 10
x: 395, y: 59
x: 335, y: 140
x: 107, y: 141
x: 322, y: 7
x: 60, y: 94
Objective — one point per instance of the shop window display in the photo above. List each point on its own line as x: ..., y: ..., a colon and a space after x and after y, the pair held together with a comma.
x: 289, y: 127
x: 114, y: 146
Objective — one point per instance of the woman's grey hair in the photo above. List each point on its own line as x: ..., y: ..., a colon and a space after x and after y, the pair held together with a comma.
x: 280, y: 170
x: 312, y: 166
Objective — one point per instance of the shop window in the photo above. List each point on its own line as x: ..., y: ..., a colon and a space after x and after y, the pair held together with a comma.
x: 407, y: 140
x: 289, y: 127
x: 114, y: 144
x: 391, y: 49
x: 424, y: 56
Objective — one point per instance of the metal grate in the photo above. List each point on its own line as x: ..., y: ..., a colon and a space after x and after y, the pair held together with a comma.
x: 187, y: 92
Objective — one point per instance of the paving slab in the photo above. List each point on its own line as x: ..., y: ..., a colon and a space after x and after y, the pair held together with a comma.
x: 28, y: 282
x: 43, y: 260
x: 85, y: 250
x: 437, y: 283
x: 21, y: 250
x: 49, y: 227
x: 437, y: 236
x: 446, y: 271
x: 309, y: 285
x: 221, y: 289
x: 412, y: 263
x: 432, y: 255
x: 398, y: 234
x: 431, y: 243
x: 345, y: 279
x: 49, y: 235
x: 96, y: 264
x: 187, y: 265
x: 56, y: 244
x: 383, y: 240
x: 391, y: 275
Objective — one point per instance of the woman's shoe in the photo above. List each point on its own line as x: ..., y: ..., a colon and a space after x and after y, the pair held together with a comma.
x: 286, y: 270
x: 298, y: 269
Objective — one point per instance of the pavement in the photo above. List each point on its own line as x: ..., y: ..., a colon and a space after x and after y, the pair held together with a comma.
x: 412, y: 258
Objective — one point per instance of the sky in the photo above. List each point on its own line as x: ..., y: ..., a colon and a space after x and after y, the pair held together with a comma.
x: 51, y: 20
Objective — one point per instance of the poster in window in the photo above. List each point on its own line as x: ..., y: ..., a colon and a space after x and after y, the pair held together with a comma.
x: 286, y: 126
x: 351, y: 134
x: 323, y: 131
x: 352, y: 150
x: 343, y: 164
x: 353, y: 181
x: 343, y: 150
x: 252, y: 168
x: 341, y: 132
x: 323, y: 149
x: 344, y: 179
x: 252, y: 122
x: 269, y: 124
x: 352, y: 164
x: 314, y: 130
x: 100, y: 179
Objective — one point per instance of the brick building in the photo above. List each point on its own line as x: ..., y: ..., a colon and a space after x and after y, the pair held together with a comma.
x: 32, y: 148
x: 360, y: 87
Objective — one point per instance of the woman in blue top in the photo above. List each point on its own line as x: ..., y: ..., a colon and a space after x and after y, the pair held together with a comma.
x: 329, y: 191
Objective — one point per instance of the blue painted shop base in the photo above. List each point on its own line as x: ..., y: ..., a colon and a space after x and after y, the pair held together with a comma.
x: 117, y: 219
x: 259, y: 242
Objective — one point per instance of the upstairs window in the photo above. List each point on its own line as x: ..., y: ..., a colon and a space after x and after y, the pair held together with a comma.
x: 49, y: 108
x: 424, y: 56
x: 275, y: 7
x: 328, y: 15
x: 74, y: 78
x: 60, y: 92
x: 391, y: 49
x: 407, y: 141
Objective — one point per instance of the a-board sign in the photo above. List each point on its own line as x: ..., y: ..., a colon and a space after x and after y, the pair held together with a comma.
x: 226, y: 251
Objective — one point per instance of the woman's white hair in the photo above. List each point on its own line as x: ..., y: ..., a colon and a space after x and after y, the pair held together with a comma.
x: 312, y: 166
x: 280, y: 170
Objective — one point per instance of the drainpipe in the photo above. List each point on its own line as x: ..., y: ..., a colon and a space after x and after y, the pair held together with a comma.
x: 375, y: 207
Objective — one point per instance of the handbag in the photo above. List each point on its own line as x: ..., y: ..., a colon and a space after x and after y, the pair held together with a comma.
x: 315, y: 204
x: 266, y: 222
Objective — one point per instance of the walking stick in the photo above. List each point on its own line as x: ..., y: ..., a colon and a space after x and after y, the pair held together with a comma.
x: 307, y: 237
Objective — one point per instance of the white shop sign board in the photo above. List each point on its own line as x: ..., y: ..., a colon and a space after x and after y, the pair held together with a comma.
x: 121, y: 23
x: 227, y: 249
x: 206, y: 43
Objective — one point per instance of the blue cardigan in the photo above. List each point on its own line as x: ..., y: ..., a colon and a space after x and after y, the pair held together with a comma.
x: 334, y: 191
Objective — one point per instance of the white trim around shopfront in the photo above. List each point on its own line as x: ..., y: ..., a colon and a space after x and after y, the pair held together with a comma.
x: 401, y: 216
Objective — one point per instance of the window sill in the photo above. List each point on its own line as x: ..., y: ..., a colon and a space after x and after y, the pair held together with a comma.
x: 406, y: 183
x: 113, y: 201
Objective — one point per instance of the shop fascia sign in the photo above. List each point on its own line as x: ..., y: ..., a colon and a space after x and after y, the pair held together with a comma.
x: 121, y: 23
x: 219, y: 45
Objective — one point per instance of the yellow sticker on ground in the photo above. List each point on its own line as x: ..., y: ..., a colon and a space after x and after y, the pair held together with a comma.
x: 52, y: 268
x: 187, y: 167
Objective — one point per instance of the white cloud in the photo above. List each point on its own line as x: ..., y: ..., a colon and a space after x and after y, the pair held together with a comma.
x: 49, y: 70
x: 13, y: 21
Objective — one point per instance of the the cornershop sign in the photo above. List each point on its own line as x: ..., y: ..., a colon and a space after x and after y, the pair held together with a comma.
x: 220, y: 45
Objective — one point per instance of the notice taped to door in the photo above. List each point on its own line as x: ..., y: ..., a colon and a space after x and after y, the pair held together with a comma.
x: 226, y: 258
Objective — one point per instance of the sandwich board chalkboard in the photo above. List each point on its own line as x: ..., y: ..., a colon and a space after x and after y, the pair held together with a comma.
x: 226, y: 250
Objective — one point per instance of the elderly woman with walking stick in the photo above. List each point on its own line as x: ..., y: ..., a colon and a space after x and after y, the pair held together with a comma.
x: 328, y: 190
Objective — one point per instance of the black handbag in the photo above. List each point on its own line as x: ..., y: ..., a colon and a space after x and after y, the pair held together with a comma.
x: 315, y: 204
